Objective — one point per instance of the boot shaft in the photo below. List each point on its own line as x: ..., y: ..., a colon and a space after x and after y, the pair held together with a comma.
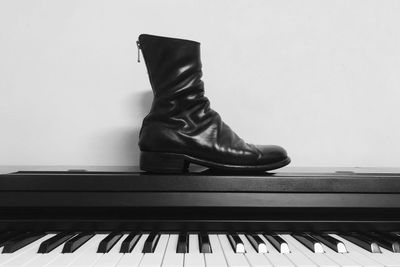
x: 173, y: 65
x: 174, y: 69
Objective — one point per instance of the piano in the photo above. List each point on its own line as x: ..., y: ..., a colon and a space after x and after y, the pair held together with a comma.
x: 288, y: 218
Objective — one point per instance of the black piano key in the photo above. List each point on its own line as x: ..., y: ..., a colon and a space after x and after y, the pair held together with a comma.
x: 309, y: 242
x: 331, y: 242
x: 278, y: 242
x: 76, y: 242
x: 21, y: 241
x: 363, y: 242
x: 204, y: 243
x: 108, y: 242
x: 151, y: 243
x: 394, y: 239
x: 5, y: 236
x: 236, y: 243
x: 183, y: 243
x: 130, y: 242
x: 51, y: 243
x: 385, y: 241
x: 257, y: 243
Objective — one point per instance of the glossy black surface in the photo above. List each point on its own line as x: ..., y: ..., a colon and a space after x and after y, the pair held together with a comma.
x: 388, y: 240
x: 108, y: 242
x: 129, y: 242
x: 76, y: 242
x: 363, y: 241
x: 255, y: 241
x: 50, y: 244
x: 201, y: 181
x: 307, y: 241
x: 21, y: 241
x: 275, y: 240
x: 235, y: 241
x: 204, y: 242
x: 384, y: 242
x: 198, y: 201
x: 183, y: 243
x: 181, y: 128
x: 328, y: 241
x: 151, y: 243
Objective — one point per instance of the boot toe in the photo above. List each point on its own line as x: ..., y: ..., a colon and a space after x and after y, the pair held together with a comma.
x: 271, y: 154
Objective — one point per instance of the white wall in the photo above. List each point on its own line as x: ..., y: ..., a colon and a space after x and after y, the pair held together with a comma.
x: 320, y: 78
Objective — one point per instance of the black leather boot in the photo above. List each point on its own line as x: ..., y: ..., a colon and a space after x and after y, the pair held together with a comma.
x: 181, y: 128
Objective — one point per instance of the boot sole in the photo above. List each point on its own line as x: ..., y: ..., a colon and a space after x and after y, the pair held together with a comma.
x: 160, y: 162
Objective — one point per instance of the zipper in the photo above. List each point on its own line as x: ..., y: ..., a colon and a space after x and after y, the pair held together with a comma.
x: 138, y: 51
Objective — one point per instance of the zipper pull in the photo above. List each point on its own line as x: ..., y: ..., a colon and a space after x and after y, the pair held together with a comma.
x: 138, y: 51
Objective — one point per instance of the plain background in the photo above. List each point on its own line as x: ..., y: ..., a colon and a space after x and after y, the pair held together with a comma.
x: 320, y: 78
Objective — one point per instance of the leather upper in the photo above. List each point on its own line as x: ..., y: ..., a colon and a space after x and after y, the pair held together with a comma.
x: 180, y: 119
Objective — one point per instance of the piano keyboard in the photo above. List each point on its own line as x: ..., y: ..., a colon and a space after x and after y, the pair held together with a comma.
x: 199, y: 249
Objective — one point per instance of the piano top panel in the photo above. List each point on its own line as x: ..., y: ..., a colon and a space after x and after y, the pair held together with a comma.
x: 129, y: 179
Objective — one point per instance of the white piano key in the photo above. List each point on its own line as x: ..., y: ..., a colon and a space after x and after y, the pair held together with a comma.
x: 216, y: 258
x: 253, y: 257
x: 45, y: 258
x: 23, y: 255
x: 134, y: 258
x: 276, y: 258
x: 194, y: 258
x: 355, y: 254
x: 130, y: 260
x: 65, y: 259
x: 233, y: 259
x: 90, y: 257
x: 155, y: 259
x: 298, y: 258
x: 86, y: 250
x: 171, y: 258
x: 341, y: 258
x: 318, y: 258
x: 361, y: 259
x: 392, y: 255
x: 112, y: 257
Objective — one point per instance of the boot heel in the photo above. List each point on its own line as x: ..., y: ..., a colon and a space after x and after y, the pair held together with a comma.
x: 163, y: 162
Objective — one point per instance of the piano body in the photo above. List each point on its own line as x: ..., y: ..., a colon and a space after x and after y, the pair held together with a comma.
x: 200, y: 219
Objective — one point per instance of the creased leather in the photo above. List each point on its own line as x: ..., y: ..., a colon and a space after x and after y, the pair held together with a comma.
x: 180, y: 119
